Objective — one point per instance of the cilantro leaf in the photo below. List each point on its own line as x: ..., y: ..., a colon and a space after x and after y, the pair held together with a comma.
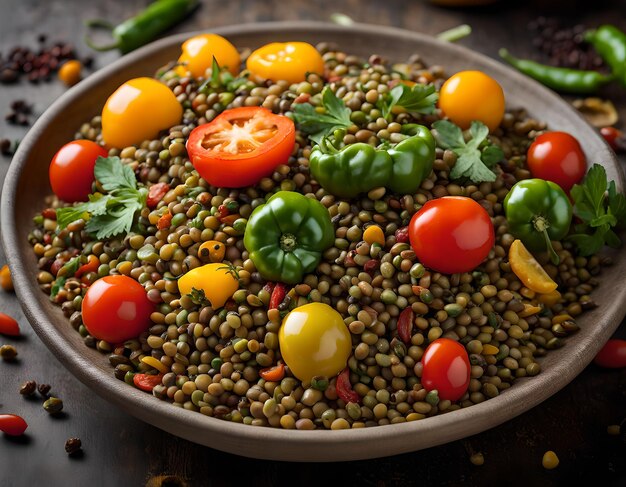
x: 318, y: 125
x: 57, y: 286
x: 416, y: 99
x: 112, y: 174
x: 472, y: 162
x: 599, y: 210
x: 617, y: 205
x: 113, y: 213
x: 589, y: 244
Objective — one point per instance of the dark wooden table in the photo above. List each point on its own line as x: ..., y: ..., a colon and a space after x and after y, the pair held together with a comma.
x: 121, y: 450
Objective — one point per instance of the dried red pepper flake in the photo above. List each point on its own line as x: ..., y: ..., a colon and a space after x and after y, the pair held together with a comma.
x: 278, y: 295
x: 344, y: 388
x: 156, y: 193
x: 405, y: 324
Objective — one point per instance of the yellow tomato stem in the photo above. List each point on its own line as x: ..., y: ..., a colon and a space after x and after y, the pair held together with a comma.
x: 541, y: 225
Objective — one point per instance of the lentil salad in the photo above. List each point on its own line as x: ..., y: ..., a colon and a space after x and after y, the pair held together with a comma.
x: 383, y: 374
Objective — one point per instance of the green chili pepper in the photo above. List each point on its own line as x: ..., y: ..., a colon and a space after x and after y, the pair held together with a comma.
x: 358, y: 168
x: 559, y: 79
x: 145, y: 26
x: 537, y: 212
x: 286, y: 236
x: 610, y: 42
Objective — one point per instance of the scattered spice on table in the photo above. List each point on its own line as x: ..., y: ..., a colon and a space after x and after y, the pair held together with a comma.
x: 28, y: 388
x: 73, y: 446
x: 6, y: 283
x: 564, y: 46
x: 477, y: 459
x: 8, y: 353
x: 44, y: 389
x: 53, y: 405
x: 36, y: 64
x: 550, y: 460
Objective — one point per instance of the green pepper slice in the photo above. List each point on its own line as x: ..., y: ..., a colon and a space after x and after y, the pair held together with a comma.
x: 286, y: 236
x: 537, y: 212
x: 359, y: 168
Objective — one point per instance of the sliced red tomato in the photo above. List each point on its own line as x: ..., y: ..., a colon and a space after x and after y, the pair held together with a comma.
x: 241, y: 146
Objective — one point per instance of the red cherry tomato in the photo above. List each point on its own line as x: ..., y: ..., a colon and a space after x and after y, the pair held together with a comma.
x: 557, y: 157
x: 71, y: 169
x: 612, y: 355
x: 241, y: 146
x: 12, y: 424
x: 451, y: 234
x: 446, y: 368
x: 116, y: 309
x: 614, y: 137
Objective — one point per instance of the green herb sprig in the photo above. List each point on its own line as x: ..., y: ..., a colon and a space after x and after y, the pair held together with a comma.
x: 319, y: 125
x: 112, y: 213
x: 476, y: 157
x: 416, y: 99
x: 601, y: 209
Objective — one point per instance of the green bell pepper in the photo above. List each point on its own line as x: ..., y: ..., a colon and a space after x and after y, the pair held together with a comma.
x: 537, y: 212
x: 359, y: 168
x: 286, y: 236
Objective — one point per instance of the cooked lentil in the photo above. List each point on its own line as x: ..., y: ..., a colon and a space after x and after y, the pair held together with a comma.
x: 211, y: 358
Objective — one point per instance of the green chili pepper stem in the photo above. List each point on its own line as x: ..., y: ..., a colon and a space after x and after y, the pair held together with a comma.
x: 100, y: 48
x: 559, y: 79
x: 541, y: 225
x: 99, y: 23
x: 455, y: 34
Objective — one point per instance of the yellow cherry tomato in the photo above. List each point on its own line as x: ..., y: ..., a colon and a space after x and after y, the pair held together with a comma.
x: 198, y: 53
x: 314, y: 340
x: 212, y: 250
x: 289, y: 61
x: 69, y: 72
x: 374, y: 234
x: 528, y: 270
x: 472, y: 95
x: 217, y: 281
x: 137, y: 111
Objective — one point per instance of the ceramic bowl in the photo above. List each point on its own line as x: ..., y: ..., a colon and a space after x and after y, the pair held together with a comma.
x: 27, y: 184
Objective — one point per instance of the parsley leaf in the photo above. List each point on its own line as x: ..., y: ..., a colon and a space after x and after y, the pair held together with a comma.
x: 474, y: 158
x: 599, y: 210
x: 113, y: 213
x: 57, y: 286
x: 416, y: 99
x: 318, y: 125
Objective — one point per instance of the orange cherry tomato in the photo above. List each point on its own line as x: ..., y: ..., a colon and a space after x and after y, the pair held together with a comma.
x: 71, y: 169
x: 241, y: 146
x: 116, y: 309
x: 472, y: 95
x: 289, y: 61
x: 137, y: 111
x: 199, y: 51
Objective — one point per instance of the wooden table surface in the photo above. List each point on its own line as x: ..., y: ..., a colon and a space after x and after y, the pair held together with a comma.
x: 120, y: 450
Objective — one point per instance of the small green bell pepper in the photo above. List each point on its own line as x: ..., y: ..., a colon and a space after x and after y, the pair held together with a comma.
x: 537, y: 212
x: 358, y: 168
x: 412, y: 159
x: 286, y: 236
